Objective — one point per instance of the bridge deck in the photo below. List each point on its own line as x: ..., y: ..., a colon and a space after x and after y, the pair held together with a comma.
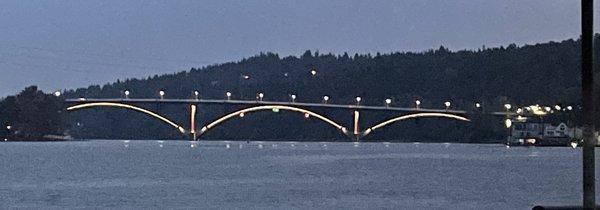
x: 301, y: 104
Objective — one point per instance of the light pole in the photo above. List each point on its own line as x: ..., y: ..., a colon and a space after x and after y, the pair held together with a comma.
x: 587, y: 98
x: 417, y: 104
x: 325, y: 99
x: 447, y: 104
x: 293, y: 96
x: 358, y: 99
x: 260, y: 96
x: 228, y: 95
x: 197, y: 94
x: 388, y: 101
x: 57, y: 93
x: 127, y: 94
x: 508, y: 124
x: 162, y: 94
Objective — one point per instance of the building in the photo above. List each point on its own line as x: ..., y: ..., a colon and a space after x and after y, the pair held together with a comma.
x: 543, y: 134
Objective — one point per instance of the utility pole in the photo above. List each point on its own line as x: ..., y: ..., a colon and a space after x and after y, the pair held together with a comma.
x: 587, y: 97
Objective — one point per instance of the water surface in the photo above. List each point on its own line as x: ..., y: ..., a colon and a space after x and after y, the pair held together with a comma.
x: 221, y: 174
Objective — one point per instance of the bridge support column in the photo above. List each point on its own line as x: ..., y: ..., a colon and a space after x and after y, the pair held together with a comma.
x: 356, y: 126
x: 193, y: 122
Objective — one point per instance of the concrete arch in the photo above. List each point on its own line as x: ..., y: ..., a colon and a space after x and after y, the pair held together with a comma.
x: 415, y: 115
x: 270, y: 107
x: 127, y: 106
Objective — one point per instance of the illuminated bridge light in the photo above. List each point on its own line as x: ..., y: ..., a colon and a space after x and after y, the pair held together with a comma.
x: 419, y: 115
x: 145, y: 111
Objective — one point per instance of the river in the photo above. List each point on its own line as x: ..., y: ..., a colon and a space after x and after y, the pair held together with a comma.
x: 283, y: 175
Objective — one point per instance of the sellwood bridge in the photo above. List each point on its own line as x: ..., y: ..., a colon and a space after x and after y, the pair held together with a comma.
x: 259, y: 105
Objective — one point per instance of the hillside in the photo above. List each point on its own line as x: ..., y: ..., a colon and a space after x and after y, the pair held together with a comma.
x: 546, y: 73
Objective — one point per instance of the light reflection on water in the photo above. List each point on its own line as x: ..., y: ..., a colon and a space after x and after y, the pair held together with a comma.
x: 207, y: 174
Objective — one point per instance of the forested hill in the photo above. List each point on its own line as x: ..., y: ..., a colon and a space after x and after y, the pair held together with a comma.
x: 546, y: 73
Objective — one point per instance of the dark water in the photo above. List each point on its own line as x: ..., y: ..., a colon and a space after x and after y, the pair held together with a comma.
x: 151, y: 174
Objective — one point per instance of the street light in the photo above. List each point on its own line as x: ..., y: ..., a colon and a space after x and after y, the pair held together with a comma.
x: 162, y: 94
x: 325, y: 99
x: 196, y: 94
x: 557, y: 107
x: 569, y: 108
x: 293, y: 96
x: 228, y: 95
x: 57, y: 93
x: 260, y: 96
x: 477, y: 105
x: 388, y: 102
x: 246, y: 77
x: 418, y: 103
x: 507, y: 107
x: 127, y: 93
x: 358, y: 99
x: 508, y: 124
x: 447, y: 104
x: 313, y: 72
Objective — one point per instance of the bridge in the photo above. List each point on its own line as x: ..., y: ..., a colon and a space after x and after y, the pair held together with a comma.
x: 259, y: 105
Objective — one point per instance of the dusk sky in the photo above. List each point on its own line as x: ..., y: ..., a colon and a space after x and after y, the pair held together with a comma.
x: 69, y: 44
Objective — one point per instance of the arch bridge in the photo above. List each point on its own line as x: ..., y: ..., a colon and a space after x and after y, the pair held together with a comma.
x: 256, y: 106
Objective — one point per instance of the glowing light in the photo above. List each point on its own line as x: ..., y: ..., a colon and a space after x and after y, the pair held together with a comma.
x: 242, y: 114
x: 569, y: 108
x: 478, y: 105
x: 447, y: 104
x: 507, y: 106
x: 270, y: 107
x: 508, y: 123
x: 127, y: 93
x: 306, y: 115
x: 293, y: 96
x: 420, y: 115
x: 547, y: 109
x: 519, y: 110
x: 574, y: 144
x: 57, y: 93
x: 325, y: 99
x: 358, y: 98
x: 521, y: 118
x: 260, y: 96
x: 246, y: 77
x: 108, y: 104
x: 388, y: 101
x: 8, y: 127
x: 557, y: 107
x: 161, y: 93
x: 275, y: 110
x: 313, y: 72
x: 196, y: 94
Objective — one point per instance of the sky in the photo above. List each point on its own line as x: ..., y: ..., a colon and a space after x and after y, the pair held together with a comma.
x: 62, y: 44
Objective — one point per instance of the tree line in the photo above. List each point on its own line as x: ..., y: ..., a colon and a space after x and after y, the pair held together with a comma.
x: 545, y: 73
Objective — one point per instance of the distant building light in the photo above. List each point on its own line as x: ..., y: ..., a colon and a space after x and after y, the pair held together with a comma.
x: 57, y: 93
